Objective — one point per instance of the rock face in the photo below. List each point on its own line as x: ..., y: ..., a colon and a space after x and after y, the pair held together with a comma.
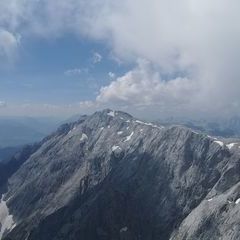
x: 110, y: 176
x: 8, y: 168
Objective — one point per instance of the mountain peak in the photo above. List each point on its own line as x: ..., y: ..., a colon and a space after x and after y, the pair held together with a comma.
x: 113, y: 113
x: 108, y: 174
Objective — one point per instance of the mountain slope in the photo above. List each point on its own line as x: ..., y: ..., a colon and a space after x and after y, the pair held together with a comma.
x: 110, y: 176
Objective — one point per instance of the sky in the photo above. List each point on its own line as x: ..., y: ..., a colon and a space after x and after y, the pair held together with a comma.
x: 151, y: 58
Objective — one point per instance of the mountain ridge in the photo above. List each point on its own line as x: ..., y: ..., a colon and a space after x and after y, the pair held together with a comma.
x: 110, y: 175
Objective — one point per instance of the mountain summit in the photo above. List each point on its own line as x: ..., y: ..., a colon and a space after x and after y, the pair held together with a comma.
x: 111, y: 176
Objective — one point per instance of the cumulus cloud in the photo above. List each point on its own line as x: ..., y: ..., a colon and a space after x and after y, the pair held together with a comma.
x: 144, y: 87
x: 195, y: 45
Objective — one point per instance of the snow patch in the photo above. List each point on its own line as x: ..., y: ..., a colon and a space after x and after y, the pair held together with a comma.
x: 231, y: 145
x: 148, y: 124
x: 6, y: 220
x: 114, y: 148
x: 108, y: 126
x: 212, y: 137
x: 128, y: 138
x: 112, y: 114
x: 124, y: 229
x: 138, y: 121
x: 195, y: 132
x: 237, y: 201
x: 120, y: 132
x: 73, y: 129
x: 210, y: 199
x: 83, y: 137
x: 219, y: 143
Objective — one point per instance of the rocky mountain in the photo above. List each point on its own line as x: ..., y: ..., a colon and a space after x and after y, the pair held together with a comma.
x: 110, y: 176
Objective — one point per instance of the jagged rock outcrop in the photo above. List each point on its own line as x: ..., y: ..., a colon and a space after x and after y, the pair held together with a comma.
x: 111, y: 176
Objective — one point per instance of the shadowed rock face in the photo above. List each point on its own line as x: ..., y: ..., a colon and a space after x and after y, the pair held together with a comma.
x: 8, y: 168
x: 110, y: 176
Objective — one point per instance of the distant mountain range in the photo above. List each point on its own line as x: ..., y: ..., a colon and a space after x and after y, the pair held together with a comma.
x: 17, y: 131
x: 224, y: 128
x: 111, y: 176
x: 7, y: 152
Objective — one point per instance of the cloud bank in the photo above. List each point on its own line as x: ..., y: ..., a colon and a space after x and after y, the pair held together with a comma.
x: 190, y: 48
x: 144, y: 87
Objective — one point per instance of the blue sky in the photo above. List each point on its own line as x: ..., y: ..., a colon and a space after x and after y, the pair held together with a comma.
x: 152, y: 57
x: 42, y: 72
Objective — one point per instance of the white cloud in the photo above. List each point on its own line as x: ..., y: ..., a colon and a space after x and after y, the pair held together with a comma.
x: 198, y: 39
x: 87, y: 104
x: 144, y: 87
x: 97, y: 58
x: 76, y: 71
x: 73, y: 72
x: 111, y: 75
x: 2, y: 104
x: 8, y: 43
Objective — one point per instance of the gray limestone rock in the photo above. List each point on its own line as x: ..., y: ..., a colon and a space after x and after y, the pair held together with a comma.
x: 110, y: 176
